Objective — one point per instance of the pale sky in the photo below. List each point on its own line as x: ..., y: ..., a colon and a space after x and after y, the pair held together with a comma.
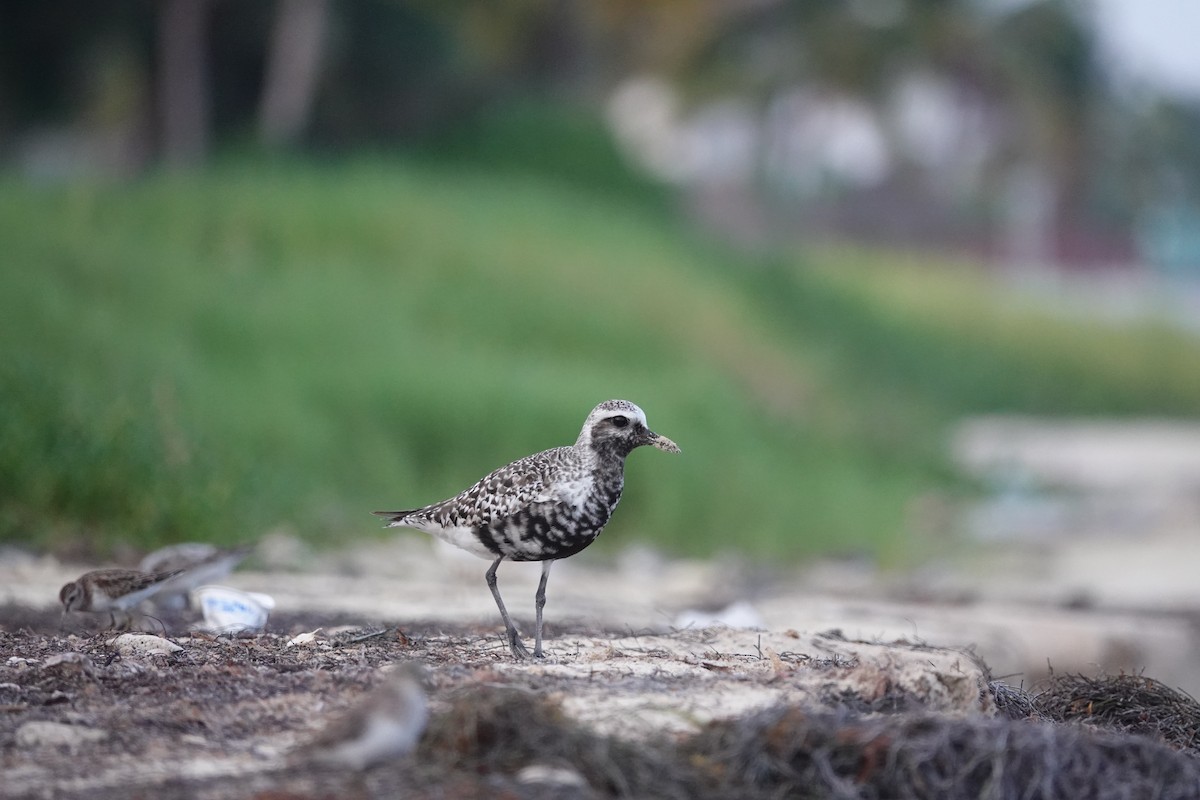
x: 1151, y: 42
x: 1157, y: 41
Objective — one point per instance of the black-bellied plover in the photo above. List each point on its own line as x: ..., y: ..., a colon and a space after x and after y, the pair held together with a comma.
x: 387, y: 723
x: 543, y: 507
x: 112, y: 590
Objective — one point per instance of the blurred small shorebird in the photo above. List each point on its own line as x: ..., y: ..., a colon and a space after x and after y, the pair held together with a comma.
x: 112, y: 590
x: 198, y: 564
x: 388, y: 723
x: 543, y: 507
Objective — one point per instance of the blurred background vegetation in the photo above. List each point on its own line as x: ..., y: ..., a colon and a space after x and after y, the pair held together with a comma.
x: 274, y: 265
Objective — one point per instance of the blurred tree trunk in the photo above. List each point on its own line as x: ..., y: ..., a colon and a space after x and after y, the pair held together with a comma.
x: 183, y: 81
x: 293, y: 68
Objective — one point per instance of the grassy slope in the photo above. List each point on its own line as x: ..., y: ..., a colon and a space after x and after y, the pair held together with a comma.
x: 213, y: 356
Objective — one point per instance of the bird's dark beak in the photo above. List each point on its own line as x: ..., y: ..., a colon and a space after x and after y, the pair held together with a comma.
x: 661, y: 442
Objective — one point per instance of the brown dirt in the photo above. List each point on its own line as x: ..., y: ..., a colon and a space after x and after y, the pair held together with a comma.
x: 219, y: 717
x: 626, y: 705
x: 706, y: 713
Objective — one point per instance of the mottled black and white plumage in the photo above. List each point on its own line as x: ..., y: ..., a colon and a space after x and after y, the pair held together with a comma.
x: 543, y: 507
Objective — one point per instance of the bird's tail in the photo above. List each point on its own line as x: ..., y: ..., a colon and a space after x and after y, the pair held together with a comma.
x: 395, y: 518
x: 162, y: 577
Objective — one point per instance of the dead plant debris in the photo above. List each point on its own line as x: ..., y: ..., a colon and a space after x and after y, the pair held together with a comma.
x: 1132, y: 704
x: 233, y: 709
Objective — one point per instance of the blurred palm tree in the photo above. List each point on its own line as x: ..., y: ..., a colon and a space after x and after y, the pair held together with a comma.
x: 345, y: 73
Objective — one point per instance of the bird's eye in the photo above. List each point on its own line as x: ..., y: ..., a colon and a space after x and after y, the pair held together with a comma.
x: 620, y: 422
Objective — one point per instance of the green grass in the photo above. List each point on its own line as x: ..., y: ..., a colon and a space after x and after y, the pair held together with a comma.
x: 272, y: 344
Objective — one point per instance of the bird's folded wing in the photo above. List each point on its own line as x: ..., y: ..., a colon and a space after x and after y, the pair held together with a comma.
x: 500, y: 494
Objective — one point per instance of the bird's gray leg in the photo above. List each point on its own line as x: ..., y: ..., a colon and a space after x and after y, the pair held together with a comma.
x: 540, y: 601
x: 519, y: 650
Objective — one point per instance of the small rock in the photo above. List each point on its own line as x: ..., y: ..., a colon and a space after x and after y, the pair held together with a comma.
x: 141, y: 645
x: 267, y: 750
x: 551, y: 775
x: 304, y: 638
x: 43, y: 733
x: 740, y: 614
x: 71, y: 661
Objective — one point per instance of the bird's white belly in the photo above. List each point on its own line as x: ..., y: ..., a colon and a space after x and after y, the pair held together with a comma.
x: 460, y: 536
x: 101, y: 601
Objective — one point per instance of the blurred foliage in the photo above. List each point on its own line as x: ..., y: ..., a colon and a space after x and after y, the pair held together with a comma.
x: 961, y: 340
x: 276, y: 343
x: 418, y: 71
x: 565, y: 145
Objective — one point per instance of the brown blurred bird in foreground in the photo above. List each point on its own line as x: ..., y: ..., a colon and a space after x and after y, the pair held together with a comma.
x: 388, y: 723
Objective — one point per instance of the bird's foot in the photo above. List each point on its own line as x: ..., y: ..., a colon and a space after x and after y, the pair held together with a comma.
x: 519, y: 650
x: 118, y: 622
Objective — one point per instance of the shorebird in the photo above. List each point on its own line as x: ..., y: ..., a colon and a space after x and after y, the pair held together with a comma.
x: 200, y: 563
x: 112, y: 590
x: 388, y: 723
x: 543, y: 507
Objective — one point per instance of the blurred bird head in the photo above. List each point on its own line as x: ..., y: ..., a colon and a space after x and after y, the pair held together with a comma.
x: 71, y: 596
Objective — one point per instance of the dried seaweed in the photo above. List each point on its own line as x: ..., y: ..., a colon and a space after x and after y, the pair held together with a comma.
x: 1125, y: 703
x: 492, y: 731
x: 795, y: 753
x: 505, y: 730
x: 798, y: 752
x: 1013, y: 702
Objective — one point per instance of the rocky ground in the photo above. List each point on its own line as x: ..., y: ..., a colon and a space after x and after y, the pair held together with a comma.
x: 636, y: 671
x: 220, y: 716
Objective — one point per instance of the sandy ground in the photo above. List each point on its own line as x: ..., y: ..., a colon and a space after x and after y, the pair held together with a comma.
x: 631, y: 654
x: 221, y: 716
x: 1076, y: 606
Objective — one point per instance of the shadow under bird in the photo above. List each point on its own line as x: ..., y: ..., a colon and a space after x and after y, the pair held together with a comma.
x: 543, y: 507
x: 112, y: 590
